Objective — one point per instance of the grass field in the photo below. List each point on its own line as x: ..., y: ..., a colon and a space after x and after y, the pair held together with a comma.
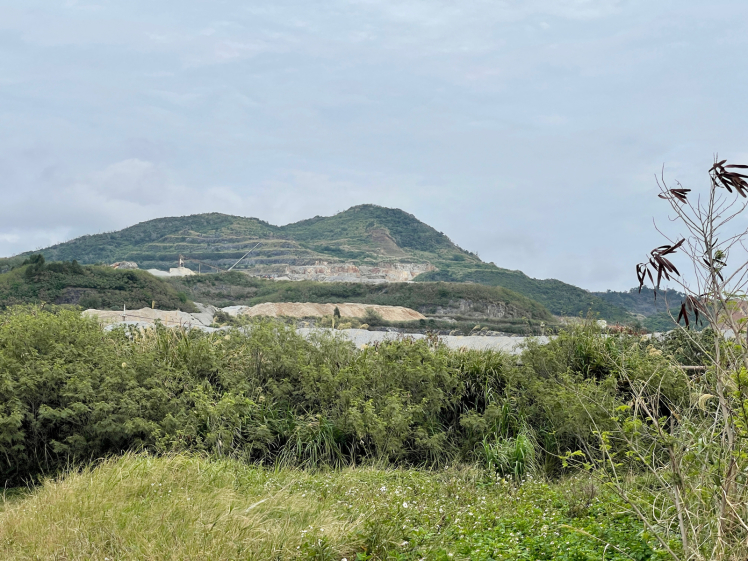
x: 188, y: 507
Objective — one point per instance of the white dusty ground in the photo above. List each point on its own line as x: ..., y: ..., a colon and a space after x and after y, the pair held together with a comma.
x: 144, y: 315
x: 362, y: 337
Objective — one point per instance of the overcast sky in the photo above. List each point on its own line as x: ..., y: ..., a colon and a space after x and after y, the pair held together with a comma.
x: 529, y: 131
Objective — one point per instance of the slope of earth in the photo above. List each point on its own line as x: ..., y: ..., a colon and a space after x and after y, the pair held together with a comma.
x: 307, y: 309
x: 88, y: 286
x: 149, y: 316
x: 431, y: 299
x: 363, y: 236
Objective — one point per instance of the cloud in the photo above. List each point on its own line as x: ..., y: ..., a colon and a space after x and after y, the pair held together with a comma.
x: 528, y: 131
x: 135, y: 181
x: 10, y: 238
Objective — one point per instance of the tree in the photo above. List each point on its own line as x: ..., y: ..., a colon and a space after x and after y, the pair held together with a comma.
x: 694, y: 455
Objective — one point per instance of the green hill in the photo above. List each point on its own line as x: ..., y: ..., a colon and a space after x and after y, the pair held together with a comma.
x: 560, y: 298
x: 362, y: 235
x: 365, y: 235
x: 643, y: 302
x: 651, y: 312
x: 37, y: 281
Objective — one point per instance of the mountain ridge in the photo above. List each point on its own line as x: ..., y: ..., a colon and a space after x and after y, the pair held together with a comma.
x: 363, y: 235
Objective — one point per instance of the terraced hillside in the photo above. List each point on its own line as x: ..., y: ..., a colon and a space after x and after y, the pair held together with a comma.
x: 365, y: 237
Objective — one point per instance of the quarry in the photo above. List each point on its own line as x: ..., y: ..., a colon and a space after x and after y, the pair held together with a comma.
x: 203, y: 320
x: 320, y: 271
x: 348, y: 272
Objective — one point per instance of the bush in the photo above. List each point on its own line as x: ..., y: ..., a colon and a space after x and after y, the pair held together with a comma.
x: 373, y: 318
x: 37, y: 281
x: 70, y: 392
x: 90, y: 302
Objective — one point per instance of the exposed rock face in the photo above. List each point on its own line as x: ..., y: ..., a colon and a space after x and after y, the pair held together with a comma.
x: 124, y: 265
x: 146, y: 316
x: 470, y: 309
x: 205, y: 313
x: 173, y: 272
x: 347, y: 272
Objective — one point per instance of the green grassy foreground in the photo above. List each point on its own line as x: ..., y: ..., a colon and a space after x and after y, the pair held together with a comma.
x: 188, y: 507
x: 257, y: 437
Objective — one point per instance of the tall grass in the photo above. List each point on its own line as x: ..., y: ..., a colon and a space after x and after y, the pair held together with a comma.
x: 175, y: 507
x: 188, y: 507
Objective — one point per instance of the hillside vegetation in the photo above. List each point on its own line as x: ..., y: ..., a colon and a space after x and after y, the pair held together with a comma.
x: 560, y: 298
x: 643, y: 301
x: 646, y: 310
x: 35, y: 281
x: 362, y: 235
x: 238, y: 288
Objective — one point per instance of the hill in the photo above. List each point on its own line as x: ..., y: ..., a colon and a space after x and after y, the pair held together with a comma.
x: 362, y: 235
x: 643, y: 303
x: 650, y: 312
x: 37, y: 281
x: 560, y: 298
x: 363, y: 240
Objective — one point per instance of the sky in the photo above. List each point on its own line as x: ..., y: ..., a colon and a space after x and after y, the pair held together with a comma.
x: 528, y: 131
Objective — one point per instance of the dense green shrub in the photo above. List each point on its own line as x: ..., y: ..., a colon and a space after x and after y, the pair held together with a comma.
x: 569, y: 387
x: 35, y: 281
x: 70, y: 391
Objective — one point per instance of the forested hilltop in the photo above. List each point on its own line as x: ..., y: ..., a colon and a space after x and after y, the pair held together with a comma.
x: 653, y: 312
x: 362, y: 235
x: 365, y: 235
x: 34, y: 281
